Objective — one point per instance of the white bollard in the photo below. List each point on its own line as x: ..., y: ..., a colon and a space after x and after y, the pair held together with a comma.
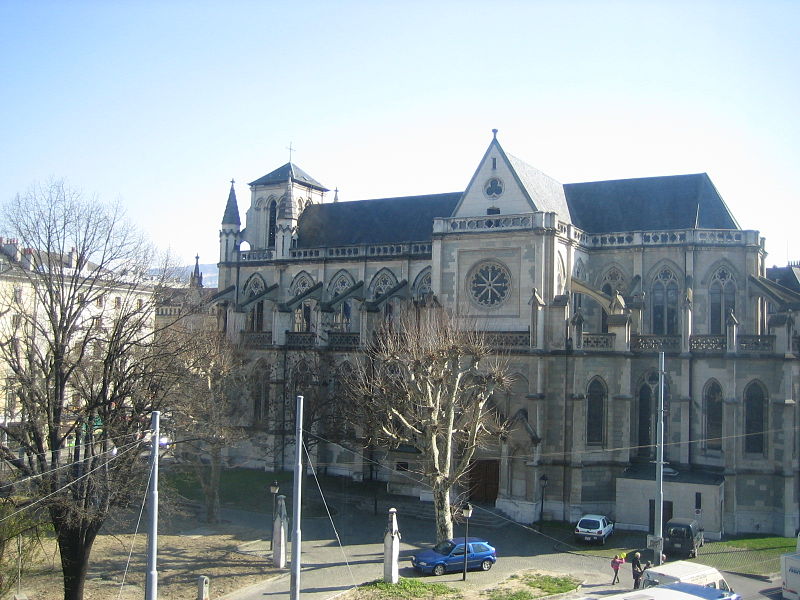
x: 391, y: 549
x: 203, y: 584
x: 280, y: 529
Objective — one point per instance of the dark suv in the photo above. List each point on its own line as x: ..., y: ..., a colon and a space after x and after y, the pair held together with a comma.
x: 682, y: 537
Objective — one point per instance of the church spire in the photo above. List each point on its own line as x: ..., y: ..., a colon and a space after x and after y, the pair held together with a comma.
x: 196, y: 278
x: 231, y: 216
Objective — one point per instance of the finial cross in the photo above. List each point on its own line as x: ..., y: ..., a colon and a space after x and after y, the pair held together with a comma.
x: 290, y: 149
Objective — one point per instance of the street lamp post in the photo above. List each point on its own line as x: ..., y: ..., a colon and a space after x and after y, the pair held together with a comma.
x: 467, y: 513
x: 543, y: 483
x: 274, y: 489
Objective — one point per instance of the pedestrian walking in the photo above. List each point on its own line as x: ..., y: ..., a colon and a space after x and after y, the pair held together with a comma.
x: 615, y: 563
x: 636, y: 570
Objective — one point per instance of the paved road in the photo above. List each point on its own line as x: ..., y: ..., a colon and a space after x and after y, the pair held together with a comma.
x: 329, y: 569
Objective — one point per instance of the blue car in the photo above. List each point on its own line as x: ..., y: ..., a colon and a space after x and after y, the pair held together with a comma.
x: 449, y: 556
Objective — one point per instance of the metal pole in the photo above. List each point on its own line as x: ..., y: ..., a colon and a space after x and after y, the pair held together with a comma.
x: 659, y: 508
x: 294, y: 593
x: 151, y: 590
x: 466, y: 550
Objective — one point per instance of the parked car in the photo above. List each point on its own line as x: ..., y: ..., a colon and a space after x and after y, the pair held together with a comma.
x: 682, y: 537
x: 593, y: 528
x: 449, y: 556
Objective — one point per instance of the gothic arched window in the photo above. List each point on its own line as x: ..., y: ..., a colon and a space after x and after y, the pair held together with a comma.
x: 255, y: 315
x: 712, y: 415
x: 645, y: 420
x: 383, y: 282
x: 755, y: 418
x: 259, y: 388
x: 595, y: 412
x: 271, y: 224
x: 665, y: 303
x: 722, y: 300
x: 302, y: 283
x: 422, y: 286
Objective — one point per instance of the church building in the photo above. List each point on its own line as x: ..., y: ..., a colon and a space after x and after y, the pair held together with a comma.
x: 580, y: 286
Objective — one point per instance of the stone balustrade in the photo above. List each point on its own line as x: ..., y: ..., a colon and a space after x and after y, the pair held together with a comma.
x: 256, y: 339
x: 598, y: 341
x: 656, y: 343
x: 756, y: 344
x: 301, y: 339
x: 508, y: 339
x: 340, y: 340
x: 708, y: 343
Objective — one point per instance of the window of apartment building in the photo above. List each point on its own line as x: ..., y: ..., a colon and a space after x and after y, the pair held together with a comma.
x: 99, y: 301
x: 117, y: 302
x: 17, y: 294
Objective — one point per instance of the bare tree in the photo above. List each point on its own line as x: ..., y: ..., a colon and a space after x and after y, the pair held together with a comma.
x: 427, y: 382
x: 85, y: 368
x: 207, y: 407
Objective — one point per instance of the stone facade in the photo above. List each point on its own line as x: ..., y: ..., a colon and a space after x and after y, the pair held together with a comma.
x: 580, y: 286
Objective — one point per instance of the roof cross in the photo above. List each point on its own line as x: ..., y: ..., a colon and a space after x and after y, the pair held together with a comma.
x: 290, y: 149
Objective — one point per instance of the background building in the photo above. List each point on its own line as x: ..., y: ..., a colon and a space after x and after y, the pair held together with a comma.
x: 582, y: 285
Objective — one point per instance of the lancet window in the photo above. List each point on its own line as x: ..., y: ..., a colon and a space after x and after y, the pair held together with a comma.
x: 665, y: 303
x: 712, y: 413
x: 722, y: 300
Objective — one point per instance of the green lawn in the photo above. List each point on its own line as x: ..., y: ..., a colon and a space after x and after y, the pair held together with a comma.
x: 406, y: 589
x: 246, y: 489
x: 751, y: 555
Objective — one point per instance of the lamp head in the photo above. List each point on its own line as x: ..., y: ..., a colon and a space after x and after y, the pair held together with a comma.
x: 274, y: 488
x: 466, y: 511
x: 543, y: 479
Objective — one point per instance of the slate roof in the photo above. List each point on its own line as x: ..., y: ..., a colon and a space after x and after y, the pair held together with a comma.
x: 546, y: 193
x: 386, y: 220
x: 231, y: 216
x: 647, y: 471
x: 282, y: 174
x: 647, y: 204
x: 788, y: 277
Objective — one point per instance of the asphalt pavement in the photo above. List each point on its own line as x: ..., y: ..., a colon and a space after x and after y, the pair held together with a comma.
x: 348, y: 552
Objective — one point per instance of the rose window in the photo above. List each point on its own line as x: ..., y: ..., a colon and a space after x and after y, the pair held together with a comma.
x: 490, y: 284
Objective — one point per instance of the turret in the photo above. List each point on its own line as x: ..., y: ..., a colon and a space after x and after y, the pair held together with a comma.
x: 229, y: 232
x: 196, y: 278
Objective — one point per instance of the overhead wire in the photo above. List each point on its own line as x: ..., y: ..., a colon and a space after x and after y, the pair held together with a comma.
x: 136, y: 531
x: 62, y: 488
x: 330, y: 517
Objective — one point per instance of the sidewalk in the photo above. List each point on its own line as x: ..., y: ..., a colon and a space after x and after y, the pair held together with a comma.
x: 329, y: 569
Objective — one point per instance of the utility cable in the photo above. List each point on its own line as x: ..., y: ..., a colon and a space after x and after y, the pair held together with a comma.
x: 71, y: 464
x: 74, y: 481
x: 330, y: 517
x: 135, y: 532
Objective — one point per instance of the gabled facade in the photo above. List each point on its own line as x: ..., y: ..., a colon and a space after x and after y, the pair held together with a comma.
x: 581, y: 285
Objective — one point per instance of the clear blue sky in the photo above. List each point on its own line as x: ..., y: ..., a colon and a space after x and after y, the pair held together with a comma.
x: 160, y: 103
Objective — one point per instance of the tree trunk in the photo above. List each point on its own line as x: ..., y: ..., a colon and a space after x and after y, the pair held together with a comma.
x: 75, y: 545
x: 212, y: 490
x: 441, y: 507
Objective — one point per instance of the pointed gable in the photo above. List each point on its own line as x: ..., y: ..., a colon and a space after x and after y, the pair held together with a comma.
x: 503, y: 184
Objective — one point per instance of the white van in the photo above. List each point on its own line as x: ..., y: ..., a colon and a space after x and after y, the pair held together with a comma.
x: 673, y: 591
x: 685, y: 572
